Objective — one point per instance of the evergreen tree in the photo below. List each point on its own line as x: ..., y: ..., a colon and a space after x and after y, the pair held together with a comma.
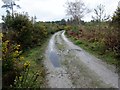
x: 116, y: 23
x: 116, y: 18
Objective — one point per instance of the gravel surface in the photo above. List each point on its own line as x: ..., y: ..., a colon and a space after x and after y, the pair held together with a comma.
x: 69, y: 66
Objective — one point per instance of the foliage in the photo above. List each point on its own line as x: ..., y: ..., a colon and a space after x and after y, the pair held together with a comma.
x: 52, y: 27
x: 39, y: 33
x: 18, y: 29
x: 63, y: 22
x: 22, y: 31
x: 12, y: 62
x: 116, y: 23
x: 78, y: 42
x: 26, y: 80
x: 101, y: 41
x: 68, y: 27
x: 19, y: 35
x: 10, y: 54
x: 16, y: 72
x: 116, y: 18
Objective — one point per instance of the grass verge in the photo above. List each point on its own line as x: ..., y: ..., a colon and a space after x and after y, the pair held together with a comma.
x: 108, y: 57
x: 36, y: 58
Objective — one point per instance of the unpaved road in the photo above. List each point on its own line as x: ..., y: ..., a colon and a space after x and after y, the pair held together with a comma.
x: 69, y: 66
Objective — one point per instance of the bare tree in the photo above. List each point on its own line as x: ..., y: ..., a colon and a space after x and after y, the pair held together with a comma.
x: 9, y: 4
x: 100, y: 14
x: 77, y: 10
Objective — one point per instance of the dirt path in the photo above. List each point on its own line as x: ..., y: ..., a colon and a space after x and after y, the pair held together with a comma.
x: 69, y: 66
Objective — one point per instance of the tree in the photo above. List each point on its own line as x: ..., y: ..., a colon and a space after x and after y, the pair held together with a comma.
x: 63, y: 22
x: 116, y: 18
x: 77, y: 10
x: 116, y: 24
x: 20, y: 30
x: 9, y: 4
x: 100, y: 14
x: 33, y: 19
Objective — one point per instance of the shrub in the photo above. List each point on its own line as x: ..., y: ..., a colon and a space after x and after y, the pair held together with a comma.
x: 11, y: 60
x: 20, y: 29
x: 39, y: 34
x: 78, y: 42
x: 116, y: 23
x: 26, y: 79
x: 15, y: 69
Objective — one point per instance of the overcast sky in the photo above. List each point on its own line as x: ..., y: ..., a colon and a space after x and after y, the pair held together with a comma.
x: 51, y: 10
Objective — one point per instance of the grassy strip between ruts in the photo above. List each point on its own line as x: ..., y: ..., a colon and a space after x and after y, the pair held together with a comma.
x: 108, y: 57
x: 36, y: 56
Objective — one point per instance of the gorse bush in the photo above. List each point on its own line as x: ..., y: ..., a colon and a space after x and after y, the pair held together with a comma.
x: 19, y: 35
x: 26, y: 80
x: 10, y: 54
x: 16, y: 72
x: 20, y: 29
x: 12, y: 62
x: 39, y: 34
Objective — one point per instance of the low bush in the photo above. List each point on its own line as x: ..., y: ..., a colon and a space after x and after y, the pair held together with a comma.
x: 78, y: 42
x: 12, y: 62
x: 26, y: 80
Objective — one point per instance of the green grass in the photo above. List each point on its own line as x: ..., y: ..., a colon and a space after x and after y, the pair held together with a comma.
x: 36, y: 56
x: 96, y: 50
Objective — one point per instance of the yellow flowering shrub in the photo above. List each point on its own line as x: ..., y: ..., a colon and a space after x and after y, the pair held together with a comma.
x: 12, y: 61
x: 1, y: 35
x: 26, y: 64
x: 11, y: 56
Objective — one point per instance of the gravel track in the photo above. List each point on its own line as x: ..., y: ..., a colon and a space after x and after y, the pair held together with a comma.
x: 69, y: 66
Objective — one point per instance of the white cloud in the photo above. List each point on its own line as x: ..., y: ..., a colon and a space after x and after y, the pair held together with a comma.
x: 45, y: 9
x: 54, y: 9
x: 7, y: 1
x: 119, y: 4
x: 110, y: 6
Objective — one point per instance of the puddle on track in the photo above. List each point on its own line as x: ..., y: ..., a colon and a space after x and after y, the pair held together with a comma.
x: 54, y: 58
